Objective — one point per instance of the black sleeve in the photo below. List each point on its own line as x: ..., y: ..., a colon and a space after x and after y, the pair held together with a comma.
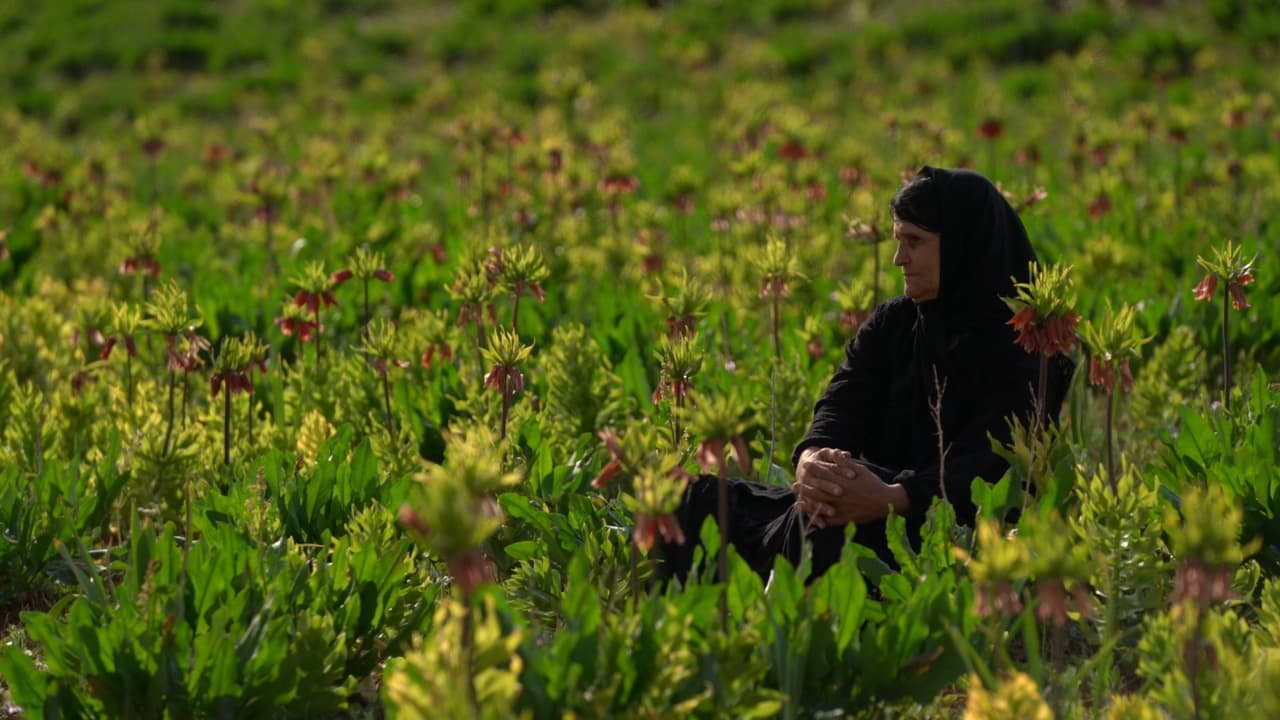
x: 844, y: 413
x: 1003, y: 395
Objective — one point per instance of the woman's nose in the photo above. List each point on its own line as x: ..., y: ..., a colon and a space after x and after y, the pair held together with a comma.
x: 899, y: 256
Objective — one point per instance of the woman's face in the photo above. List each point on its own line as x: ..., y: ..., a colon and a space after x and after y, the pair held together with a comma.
x: 919, y: 255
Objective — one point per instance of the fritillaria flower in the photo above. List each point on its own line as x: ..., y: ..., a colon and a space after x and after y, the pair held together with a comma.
x: 1229, y: 266
x: 991, y: 128
x: 1100, y: 206
x: 712, y: 459
x: 236, y: 382
x: 614, y: 466
x: 305, y: 329
x: 617, y: 183
x: 649, y: 526
x: 443, y: 350
x: 143, y: 265
x: 1044, y: 336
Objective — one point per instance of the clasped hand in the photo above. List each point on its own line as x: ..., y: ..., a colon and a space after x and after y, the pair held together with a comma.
x: 834, y: 489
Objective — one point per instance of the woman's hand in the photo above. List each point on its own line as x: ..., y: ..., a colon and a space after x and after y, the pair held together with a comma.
x: 835, y: 489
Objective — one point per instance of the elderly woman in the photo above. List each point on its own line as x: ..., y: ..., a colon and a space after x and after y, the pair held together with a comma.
x: 873, y: 447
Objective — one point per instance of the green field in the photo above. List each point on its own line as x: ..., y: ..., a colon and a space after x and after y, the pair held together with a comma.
x: 236, y: 481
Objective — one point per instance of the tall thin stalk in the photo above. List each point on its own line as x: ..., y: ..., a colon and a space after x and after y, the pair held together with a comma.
x: 315, y: 314
x: 386, y: 400
x: 722, y: 558
x: 128, y: 379
x: 1111, y: 460
x: 1226, y: 353
x: 226, y: 427
x: 168, y: 431
x: 506, y: 405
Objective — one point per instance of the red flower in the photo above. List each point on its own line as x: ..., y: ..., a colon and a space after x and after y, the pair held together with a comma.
x: 1036, y: 196
x: 792, y: 151
x: 1100, y: 206
x: 140, y: 265
x: 504, y: 379
x: 1101, y: 373
x: 1053, y: 602
x: 679, y: 389
x: 1048, y: 337
x: 991, y: 128
x: 774, y: 287
x: 681, y: 326
x: 470, y: 570
x: 312, y: 300
x: 649, y: 526
x: 428, y: 355
x: 711, y: 455
x: 1206, y: 288
x: 1126, y: 377
x: 997, y: 599
x: 236, y: 382
x: 1238, y: 301
x: 215, y: 154
x: 618, y: 184
x: 340, y: 277
x: 380, y: 365
x: 384, y: 275
x: 303, y: 328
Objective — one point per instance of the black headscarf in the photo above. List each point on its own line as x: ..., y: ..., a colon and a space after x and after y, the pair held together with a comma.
x: 985, y: 250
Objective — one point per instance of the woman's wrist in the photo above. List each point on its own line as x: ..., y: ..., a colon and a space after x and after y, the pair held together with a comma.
x: 897, y: 498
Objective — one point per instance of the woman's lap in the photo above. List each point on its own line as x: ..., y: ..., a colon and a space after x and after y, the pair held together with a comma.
x: 763, y: 523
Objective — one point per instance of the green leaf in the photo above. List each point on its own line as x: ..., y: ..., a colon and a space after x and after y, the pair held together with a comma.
x: 523, y: 550
x: 28, y: 688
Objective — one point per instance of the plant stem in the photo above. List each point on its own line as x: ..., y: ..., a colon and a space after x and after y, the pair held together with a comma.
x: 515, y: 315
x: 675, y: 419
x: 168, y: 431
x: 775, y: 317
x: 1111, y: 462
x: 506, y: 407
x: 1226, y: 353
x: 386, y: 398
x: 635, y: 572
x: 316, y: 315
x: 269, y: 230
x: 1037, y: 425
x: 722, y: 559
x: 364, y: 332
x: 226, y: 426
x: 1193, y: 663
x: 128, y: 379
x: 468, y: 655
x: 186, y: 393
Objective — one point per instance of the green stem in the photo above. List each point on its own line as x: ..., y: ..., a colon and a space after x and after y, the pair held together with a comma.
x: 468, y: 655
x: 722, y: 558
x: 365, y: 331
x: 168, y: 431
x: 386, y: 398
x: 506, y: 407
x: 316, y: 315
x: 1111, y: 462
x: 1193, y: 663
x: 226, y: 426
x: 775, y: 317
x: 1226, y: 352
x: 128, y: 379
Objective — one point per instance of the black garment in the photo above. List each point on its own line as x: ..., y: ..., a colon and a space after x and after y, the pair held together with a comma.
x: 877, y: 405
